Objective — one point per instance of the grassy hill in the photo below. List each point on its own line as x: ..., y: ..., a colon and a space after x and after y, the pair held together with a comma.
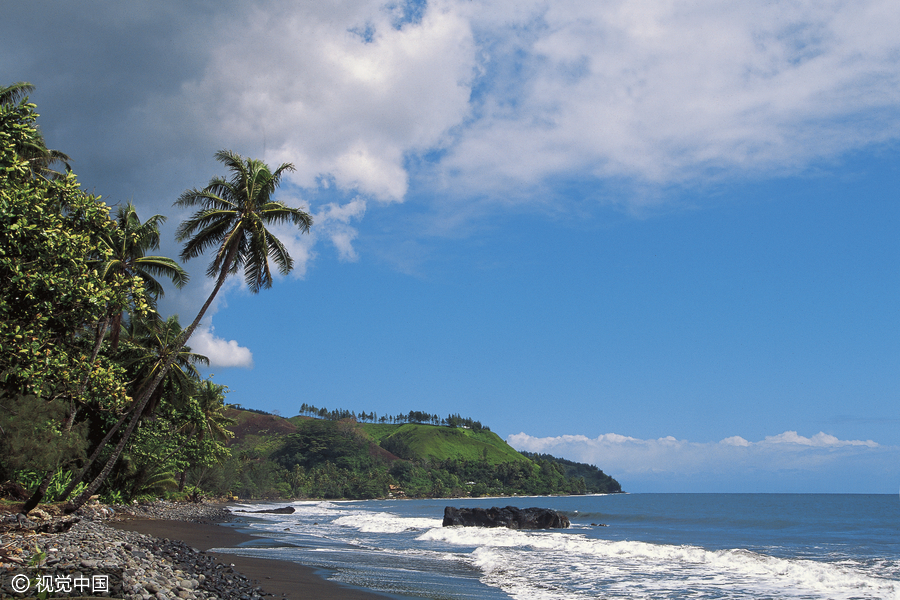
x: 414, y: 441
x: 304, y: 456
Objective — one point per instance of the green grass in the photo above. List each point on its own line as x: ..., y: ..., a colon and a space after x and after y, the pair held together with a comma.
x: 441, y: 443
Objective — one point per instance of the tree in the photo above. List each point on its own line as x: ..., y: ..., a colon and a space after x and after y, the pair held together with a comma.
x: 31, y: 147
x: 49, y: 295
x: 15, y: 93
x: 126, y: 246
x: 147, y: 346
x: 233, y: 219
x: 207, y: 425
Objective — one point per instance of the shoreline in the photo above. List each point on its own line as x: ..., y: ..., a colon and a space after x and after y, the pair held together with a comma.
x: 279, y: 578
x: 162, y: 551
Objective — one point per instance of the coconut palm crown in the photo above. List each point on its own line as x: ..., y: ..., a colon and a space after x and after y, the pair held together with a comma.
x: 233, y: 218
x: 129, y: 242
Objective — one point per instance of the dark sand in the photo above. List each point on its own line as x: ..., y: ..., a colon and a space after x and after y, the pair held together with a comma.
x: 281, y: 578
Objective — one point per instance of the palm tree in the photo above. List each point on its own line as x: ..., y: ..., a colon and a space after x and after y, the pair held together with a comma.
x: 148, y: 343
x: 15, y: 93
x: 233, y: 217
x: 128, y: 242
x: 33, y: 149
x: 209, y: 421
x: 213, y: 423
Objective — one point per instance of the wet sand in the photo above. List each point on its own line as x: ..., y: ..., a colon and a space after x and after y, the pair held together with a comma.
x: 284, y: 579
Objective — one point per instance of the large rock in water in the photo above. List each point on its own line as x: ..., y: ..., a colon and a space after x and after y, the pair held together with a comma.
x: 284, y: 510
x: 510, y: 516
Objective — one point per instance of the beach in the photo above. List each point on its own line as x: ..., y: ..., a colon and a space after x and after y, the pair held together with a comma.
x: 162, y: 550
x: 280, y: 578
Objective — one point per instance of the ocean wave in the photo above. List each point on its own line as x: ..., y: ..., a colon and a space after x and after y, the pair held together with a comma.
x: 374, y: 522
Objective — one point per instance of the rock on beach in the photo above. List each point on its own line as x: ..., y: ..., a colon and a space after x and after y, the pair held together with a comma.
x: 141, y: 567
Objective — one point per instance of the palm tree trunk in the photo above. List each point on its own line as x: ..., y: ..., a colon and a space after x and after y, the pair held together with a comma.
x: 142, y: 400
x: 90, y: 461
x: 38, y: 494
x: 41, y: 491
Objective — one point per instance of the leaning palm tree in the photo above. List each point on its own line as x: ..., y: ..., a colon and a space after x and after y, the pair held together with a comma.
x: 233, y: 219
x: 146, y: 348
x: 149, y: 343
x: 128, y: 243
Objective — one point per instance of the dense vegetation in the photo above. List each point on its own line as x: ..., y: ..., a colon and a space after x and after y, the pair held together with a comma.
x: 595, y: 480
x: 100, y: 394
x: 307, y: 457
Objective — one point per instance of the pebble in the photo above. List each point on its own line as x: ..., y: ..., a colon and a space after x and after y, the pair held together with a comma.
x: 143, y: 567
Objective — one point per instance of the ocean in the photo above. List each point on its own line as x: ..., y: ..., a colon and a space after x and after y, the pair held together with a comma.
x: 660, y: 546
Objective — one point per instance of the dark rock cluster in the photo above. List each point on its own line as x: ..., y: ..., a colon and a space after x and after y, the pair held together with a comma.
x: 140, y: 567
x: 510, y: 516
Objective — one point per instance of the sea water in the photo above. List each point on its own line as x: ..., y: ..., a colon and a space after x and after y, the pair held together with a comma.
x: 672, y: 546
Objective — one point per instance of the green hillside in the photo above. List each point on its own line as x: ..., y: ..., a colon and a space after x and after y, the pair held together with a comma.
x: 413, y: 441
x: 339, y: 457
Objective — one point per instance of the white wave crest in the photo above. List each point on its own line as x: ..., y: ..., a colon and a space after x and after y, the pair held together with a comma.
x: 372, y: 522
x: 538, y: 565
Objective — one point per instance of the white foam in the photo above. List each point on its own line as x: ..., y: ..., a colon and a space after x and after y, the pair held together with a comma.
x: 564, y: 565
x: 374, y: 522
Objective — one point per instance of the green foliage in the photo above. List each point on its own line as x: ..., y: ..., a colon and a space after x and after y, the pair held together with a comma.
x: 49, y: 232
x: 413, y: 416
x: 341, y: 459
x: 112, y: 497
x: 429, y: 442
x: 34, y: 438
x: 595, y: 480
x: 30, y: 480
x: 233, y: 217
x: 317, y: 442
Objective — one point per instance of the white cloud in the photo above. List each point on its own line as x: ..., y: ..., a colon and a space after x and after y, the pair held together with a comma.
x: 475, y: 102
x: 333, y: 221
x: 515, y: 94
x: 668, y: 92
x: 221, y: 352
x: 778, y: 459
x: 820, y: 440
x: 339, y: 92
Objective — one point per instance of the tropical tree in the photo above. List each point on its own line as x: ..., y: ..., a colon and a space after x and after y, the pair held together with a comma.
x: 15, y: 93
x: 207, y: 427
x: 31, y: 148
x: 234, y: 217
x: 126, y: 248
x: 50, y: 294
x: 147, y: 346
x: 212, y: 422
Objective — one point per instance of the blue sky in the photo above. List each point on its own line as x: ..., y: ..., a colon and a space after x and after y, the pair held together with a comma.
x: 657, y: 238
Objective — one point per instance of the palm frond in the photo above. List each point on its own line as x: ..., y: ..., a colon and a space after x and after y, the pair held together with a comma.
x: 148, y: 266
x: 15, y: 93
x: 232, y: 219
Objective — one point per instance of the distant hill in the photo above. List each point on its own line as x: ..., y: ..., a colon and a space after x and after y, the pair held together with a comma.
x: 305, y: 456
x: 595, y: 480
x: 433, y: 442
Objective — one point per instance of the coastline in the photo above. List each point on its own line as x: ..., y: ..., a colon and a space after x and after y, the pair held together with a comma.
x: 282, y: 579
x: 160, y: 551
